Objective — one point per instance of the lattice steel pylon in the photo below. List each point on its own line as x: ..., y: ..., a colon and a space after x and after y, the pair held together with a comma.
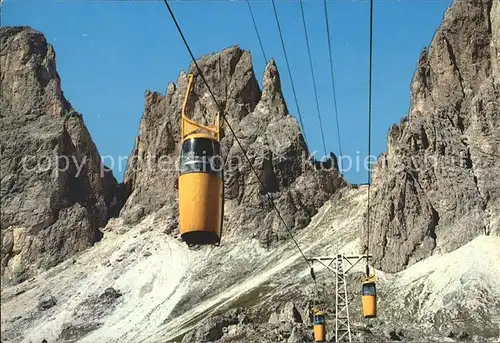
x: 342, y: 320
x: 342, y: 323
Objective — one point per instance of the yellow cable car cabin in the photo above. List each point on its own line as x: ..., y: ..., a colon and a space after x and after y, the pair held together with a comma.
x: 200, y: 181
x: 369, y: 297
x: 319, y: 326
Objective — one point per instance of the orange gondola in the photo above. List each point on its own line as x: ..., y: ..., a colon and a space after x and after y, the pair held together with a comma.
x: 200, y: 181
x: 369, y: 297
x: 319, y: 326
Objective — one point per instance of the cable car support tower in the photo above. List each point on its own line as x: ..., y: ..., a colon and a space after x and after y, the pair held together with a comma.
x: 340, y: 265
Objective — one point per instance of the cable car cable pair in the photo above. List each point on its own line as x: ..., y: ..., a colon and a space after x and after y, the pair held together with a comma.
x: 311, y: 67
x: 368, y: 290
x: 312, y: 76
x: 302, y: 127
x: 333, y: 82
x: 256, y: 30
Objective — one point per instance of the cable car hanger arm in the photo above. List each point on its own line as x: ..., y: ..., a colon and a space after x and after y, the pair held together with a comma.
x: 188, y: 129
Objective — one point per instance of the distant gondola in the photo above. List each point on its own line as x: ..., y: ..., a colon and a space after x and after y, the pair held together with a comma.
x: 319, y: 326
x: 369, y: 297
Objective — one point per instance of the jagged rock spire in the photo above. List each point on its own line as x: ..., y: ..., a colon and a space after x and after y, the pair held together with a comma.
x: 272, y: 96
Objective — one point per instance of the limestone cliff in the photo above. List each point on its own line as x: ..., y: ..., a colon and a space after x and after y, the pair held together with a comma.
x: 55, y: 192
x: 437, y: 187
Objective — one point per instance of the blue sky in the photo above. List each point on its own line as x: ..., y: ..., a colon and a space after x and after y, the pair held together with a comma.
x: 110, y: 52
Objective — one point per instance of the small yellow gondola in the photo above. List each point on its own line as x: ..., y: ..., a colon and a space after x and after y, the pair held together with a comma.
x: 369, y: 297
x: 319, y: 326
x: 200, y: 181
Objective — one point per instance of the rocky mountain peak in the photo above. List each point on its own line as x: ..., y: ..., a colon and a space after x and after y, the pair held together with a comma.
x: 272, y: 96
x: 55, y: 191
x: 435, y: 189
x: 26, y: 52
x: 265, y: 129
x: 237, y: 94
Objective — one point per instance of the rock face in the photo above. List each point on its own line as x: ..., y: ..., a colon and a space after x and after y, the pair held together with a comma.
x: 230, y: 328
x: 265, y: 129
x: 55, y: 193
x: 437, y: 187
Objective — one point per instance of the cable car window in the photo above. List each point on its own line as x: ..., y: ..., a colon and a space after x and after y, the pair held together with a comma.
x: 201, y: 155
x: 369, y: 289
x: 319, y: 320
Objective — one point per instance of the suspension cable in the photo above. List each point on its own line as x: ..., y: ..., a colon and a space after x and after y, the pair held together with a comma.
x: 289, y: 71
x: 370, y: 77
x: 256, y: 30
x: 271, y: 201
x: 333, y: 84
x: 312, y: 75
x: 316, y: 293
